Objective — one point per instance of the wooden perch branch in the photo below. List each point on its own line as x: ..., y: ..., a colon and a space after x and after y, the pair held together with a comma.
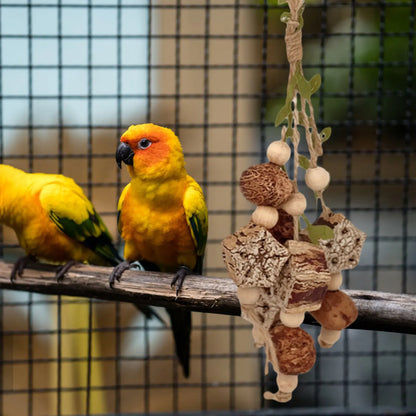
x: 377, y: 310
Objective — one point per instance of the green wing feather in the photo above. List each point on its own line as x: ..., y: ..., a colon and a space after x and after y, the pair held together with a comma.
x: 75, y: 216
x: 197, y: 219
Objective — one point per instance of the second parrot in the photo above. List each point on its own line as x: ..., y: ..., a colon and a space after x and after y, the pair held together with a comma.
x: 162, y: 216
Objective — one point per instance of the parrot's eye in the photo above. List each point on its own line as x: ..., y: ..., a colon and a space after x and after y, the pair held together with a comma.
x: 144, y: 143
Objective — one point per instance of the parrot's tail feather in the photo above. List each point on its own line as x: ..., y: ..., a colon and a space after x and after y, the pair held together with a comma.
x: 181, y: 328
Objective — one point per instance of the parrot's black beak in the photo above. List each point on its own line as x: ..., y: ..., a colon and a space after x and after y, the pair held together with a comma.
x: 124, y: 154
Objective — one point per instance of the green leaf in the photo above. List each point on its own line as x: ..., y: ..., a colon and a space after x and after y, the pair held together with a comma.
x: 315, y: 83
x: 304, y: 88
x: 280, y: 2
x: 307, y: 88
x: 282, y: 114
x: 285, y: 17
x: 319, y: 232
x: 325, y: 134
x: 303, y: 162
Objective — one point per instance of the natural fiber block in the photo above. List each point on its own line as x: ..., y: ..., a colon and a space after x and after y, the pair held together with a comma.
x: 304, y: 278
x: 253, y: 257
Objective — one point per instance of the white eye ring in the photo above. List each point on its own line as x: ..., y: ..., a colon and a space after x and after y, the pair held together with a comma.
x: 144, y: 143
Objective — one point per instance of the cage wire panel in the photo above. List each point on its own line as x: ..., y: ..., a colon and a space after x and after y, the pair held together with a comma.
x: 75, y: 75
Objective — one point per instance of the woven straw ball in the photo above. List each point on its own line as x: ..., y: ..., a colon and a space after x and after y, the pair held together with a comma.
x: 266, y: 184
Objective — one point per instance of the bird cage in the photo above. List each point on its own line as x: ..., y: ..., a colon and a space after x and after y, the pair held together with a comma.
x: 74, y: 75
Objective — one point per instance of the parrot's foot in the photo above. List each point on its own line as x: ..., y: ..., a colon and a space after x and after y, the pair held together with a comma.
x: 179, y: 278
x: 20, y: 265
x: 119, y: 270
x: 62, y: 270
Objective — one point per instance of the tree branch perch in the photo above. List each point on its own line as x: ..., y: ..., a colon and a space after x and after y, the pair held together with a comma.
x: 377, y: 310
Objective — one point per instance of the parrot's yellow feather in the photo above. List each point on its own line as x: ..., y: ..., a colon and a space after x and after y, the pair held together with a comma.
x: 53, y: 219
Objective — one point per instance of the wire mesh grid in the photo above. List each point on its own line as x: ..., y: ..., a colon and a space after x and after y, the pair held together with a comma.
x: 75, y: 75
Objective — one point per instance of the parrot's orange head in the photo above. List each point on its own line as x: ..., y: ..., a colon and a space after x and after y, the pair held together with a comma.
x: 151, y: 151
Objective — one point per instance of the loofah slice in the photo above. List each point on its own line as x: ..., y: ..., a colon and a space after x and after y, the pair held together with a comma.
x: 295, y: 350
x: 253, y: 257
x: 304, y: 278
x: 266, y: 184
x: 344, y: 250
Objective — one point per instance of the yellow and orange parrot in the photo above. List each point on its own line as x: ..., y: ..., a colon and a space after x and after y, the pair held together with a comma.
x: 162, y: 216
x: 53, y: 220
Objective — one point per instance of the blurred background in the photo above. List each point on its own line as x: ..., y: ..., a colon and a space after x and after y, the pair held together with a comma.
x: 75, y: 74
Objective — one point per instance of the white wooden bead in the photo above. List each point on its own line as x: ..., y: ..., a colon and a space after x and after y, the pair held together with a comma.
x: 292, y: 320
x: 328, y: 337
x: 248, y: 295
x: 286, y: 383
x: 295, y: 205
x: 267, y: 217
x: 317, y: 178
x: 335, y: 282
x: 278, y: 152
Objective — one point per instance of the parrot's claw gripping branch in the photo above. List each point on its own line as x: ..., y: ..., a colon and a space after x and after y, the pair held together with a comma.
x: 20, y: 266
x: 62, y: 270
x: 118, y: 271
x: 179, y: 278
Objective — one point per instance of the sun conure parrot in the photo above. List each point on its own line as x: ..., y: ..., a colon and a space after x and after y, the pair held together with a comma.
x: 162, y: 216
x: 55, y: 221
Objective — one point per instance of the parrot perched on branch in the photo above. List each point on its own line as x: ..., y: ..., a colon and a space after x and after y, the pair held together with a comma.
x: 53, y: 220
x: 162, y: 216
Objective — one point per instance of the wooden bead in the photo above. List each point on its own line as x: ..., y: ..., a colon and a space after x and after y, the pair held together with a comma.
x: 278, y: 152
x: 286, y: 384
x: 248, y: 295
x: 328, y: 337
x: 265, y: 216
x: 317, y: 178
x: 292, y: 320
x: 335, y: 282
x: 295, y: 205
